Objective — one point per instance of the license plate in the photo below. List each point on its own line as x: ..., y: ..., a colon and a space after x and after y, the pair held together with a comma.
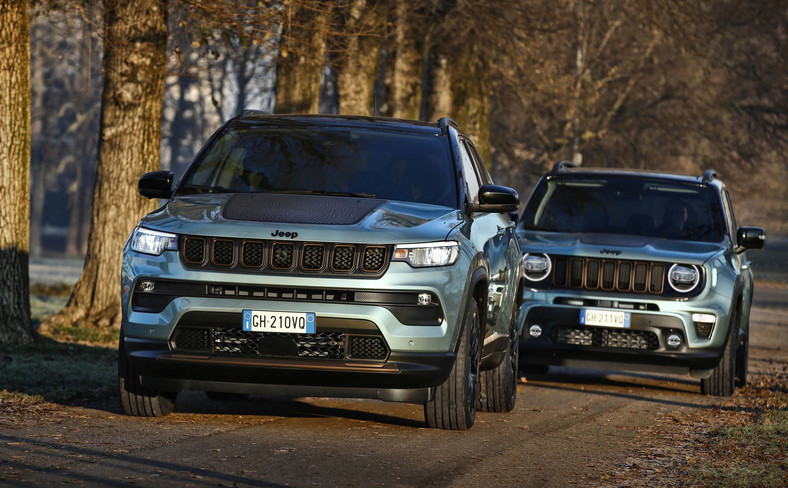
x: 605, y: 318
x: 283, y: 322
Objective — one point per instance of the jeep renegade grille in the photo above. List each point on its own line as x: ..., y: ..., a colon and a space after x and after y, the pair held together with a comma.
x: 278, y: 256
x: 608, y: 274
x: 603, y: 337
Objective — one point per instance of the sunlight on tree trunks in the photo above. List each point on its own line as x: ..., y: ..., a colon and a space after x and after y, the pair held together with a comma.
x: 131, y: 110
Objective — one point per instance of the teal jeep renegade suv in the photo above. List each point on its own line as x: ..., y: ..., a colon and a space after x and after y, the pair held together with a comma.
x: 637, y: 270
x: 325, y: 256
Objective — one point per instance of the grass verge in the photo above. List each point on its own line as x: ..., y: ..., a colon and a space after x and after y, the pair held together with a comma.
x: 58, y: 372
x: 740, y: 442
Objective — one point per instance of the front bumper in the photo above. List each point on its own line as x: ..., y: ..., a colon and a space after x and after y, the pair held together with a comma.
x: 186, y: 334
x: 643, y: 345
x: 403, y: 377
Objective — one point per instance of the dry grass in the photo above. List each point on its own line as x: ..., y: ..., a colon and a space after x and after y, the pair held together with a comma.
x: 740, y: 442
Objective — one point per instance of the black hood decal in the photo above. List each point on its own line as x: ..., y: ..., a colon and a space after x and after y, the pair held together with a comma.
x: 299, y: 209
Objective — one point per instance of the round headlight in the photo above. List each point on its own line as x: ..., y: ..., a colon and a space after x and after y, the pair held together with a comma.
x: 536, y: 266
x: 683, y: 278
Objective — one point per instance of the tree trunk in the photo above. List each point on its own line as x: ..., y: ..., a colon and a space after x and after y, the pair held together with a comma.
x: 359, y: 55
x: 471, y: 95
x: 15, y: 326
x: 438, y: 88
x: 131, y: 110
x: 406, y: 48
x: 302, y: 51
x: 459, y: 87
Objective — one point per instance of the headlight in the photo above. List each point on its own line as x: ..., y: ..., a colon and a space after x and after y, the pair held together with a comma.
x: 537, y: 266
x: 153, y: 242
x: 428, y: 254
x: 682, y: 278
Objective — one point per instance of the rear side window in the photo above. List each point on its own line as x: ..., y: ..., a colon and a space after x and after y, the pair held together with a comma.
x: 384, y: 164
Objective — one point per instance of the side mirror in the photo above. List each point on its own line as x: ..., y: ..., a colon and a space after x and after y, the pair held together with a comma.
x: 750, y: 237
x: 496, y: 199
x: 156, y: 184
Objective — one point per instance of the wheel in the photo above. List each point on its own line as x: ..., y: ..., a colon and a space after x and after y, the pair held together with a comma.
x: 453, y: 405
x: 136, y: 400
x: 723, y: 376
x: 498, y: 386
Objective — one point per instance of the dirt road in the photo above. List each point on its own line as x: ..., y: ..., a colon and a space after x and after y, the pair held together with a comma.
x: 569, y: 428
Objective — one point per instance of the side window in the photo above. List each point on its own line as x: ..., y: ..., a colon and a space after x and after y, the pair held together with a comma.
x: 471, y: 178
x: 730, y: 219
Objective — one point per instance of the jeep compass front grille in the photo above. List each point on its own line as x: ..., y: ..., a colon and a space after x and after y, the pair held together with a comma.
x: 280, y: 257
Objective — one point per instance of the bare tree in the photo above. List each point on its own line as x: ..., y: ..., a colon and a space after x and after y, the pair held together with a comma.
x: 15, y: 326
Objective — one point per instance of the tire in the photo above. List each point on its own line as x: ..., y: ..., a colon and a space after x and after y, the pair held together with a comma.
x: 136, y: 400
x: 723, y: 376
x: 453, y: 405
x: 498, y: 386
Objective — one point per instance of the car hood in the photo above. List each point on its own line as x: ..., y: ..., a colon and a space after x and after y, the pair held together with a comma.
x: 304, y: 217
x: 617, y: 246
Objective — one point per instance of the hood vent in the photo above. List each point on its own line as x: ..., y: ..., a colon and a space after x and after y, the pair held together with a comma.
x: 299, y: 209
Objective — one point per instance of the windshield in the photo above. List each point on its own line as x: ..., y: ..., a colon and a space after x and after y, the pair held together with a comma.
x: 625, y: 205
x: 326, y: 161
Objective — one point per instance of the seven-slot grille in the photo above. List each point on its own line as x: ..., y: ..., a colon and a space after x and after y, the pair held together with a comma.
x: 608, y: 274
x: 279, y: 256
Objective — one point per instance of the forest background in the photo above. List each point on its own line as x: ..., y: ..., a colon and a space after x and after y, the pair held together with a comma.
x: 675, y: 85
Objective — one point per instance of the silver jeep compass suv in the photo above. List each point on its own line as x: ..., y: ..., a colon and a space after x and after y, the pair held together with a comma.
x: 326, y: 256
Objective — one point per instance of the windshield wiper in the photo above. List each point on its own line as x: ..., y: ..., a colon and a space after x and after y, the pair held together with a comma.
x: 205, y: 188
x: 326, y: 193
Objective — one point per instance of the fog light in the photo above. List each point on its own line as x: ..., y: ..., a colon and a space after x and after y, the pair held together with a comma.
x: 147, y: 286
x: 535, y: 331
x: 425, y: 298
x: 673, y: 341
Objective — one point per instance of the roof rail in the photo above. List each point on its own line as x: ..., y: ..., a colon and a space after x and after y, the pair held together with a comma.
x: 709, y: 175
x: 562, y: 166
x: 446, y: 121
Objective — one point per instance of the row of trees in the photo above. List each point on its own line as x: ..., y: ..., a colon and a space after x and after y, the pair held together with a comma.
x: 678, y: 86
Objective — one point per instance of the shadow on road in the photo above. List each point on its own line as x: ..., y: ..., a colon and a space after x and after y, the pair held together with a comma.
x: 145, y: 470
x: 667, y: 390
x: 270, y: 406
